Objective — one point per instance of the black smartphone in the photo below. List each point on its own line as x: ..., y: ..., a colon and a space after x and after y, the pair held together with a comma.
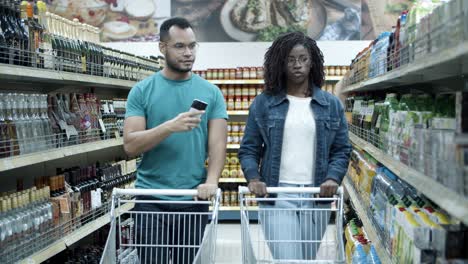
x: 198, y: 105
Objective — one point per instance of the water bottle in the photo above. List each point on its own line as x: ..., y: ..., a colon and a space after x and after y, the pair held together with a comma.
x: 359, y: 256
x: 372, y: 257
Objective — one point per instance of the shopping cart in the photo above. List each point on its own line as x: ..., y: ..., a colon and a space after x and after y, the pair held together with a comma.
x: 170, y: 236
x: 293, y: 227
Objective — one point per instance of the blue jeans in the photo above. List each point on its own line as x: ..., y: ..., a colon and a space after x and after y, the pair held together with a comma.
x: 294, y: 228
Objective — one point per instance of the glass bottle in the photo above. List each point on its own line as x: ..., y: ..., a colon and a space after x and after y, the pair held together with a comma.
x: 48, y: 139
x: 42, y: 123
x: 4, y: 139
x: 7, y: 219
x: 10, y: 34
x: 38, y: 36
x: 68, y: 118
x: 56, y: 43
x: 23, y: 35
x: 26, y: 11
x: 3, y: 44
x: 26, y: 131
x: 46, y: 44
x: 56, y: 137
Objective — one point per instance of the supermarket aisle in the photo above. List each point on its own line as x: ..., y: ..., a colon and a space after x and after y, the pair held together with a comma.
x: 229, y: 245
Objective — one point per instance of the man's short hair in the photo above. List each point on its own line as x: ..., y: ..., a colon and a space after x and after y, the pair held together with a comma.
x: 179, y: 22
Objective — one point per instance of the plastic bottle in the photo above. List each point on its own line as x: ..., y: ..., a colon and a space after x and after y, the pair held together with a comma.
x: 359, y: 256
x: 372, y: 257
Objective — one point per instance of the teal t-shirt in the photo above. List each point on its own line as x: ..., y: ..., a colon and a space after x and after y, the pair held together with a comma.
x: 178, y: 162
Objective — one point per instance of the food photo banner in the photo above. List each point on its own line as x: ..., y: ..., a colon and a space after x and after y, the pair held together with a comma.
x: 236, y: 20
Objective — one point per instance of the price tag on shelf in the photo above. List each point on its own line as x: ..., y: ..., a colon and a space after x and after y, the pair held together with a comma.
x: 62, y: 124
x: 70, y: 131
x: 101, y: 124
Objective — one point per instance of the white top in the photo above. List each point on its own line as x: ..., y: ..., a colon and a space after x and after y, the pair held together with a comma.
x: 298, y: 151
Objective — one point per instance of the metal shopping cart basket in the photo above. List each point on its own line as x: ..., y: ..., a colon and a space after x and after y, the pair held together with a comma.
x: 168, y: 234
x: 292, y: 227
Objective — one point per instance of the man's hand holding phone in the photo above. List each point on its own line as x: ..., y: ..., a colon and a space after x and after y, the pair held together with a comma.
x: 188, y: 120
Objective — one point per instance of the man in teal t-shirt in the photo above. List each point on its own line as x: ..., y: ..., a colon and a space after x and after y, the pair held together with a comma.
x: 175, y: 144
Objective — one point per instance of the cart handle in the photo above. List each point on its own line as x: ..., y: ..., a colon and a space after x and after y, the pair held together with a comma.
x: 150, y: 192
x: 312, y: 190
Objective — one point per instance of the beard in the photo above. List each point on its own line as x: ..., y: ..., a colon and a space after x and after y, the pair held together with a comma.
x: 174, y: 67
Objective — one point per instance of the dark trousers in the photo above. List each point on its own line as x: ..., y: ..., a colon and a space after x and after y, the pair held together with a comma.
x: 175, y: 233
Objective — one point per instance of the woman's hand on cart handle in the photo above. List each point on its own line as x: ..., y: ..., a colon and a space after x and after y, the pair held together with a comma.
x: 206, y: 190
x: 328, y: 188
x: 258, y: 188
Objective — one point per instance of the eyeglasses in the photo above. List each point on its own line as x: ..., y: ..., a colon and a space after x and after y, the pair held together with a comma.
x: 303, y: 60
x: 181, y: 48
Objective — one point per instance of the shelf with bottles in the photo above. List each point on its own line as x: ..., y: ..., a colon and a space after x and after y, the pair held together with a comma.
x: 428, y: 44
x: 232, y: 180
x: 248, y: 81
x: 254, y: 75
x: 233, y: 146
x: 65, y: 207
x: 406, y: 222
x: 99, y: 219
x: 371, y: 231
x: 358, y: 246
x: 235, y: 134
x: 239, y: 97
x: 49, y: 44
x: 238, y: 112
x: 232, y: 172
x: 414, y: 138
x: 36, y: 128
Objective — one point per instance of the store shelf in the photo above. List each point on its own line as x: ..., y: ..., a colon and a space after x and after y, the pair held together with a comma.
x: 232, y: 180
x: 453, y: 203
x: 249, y: 81
x: 333, y: 78
x: 233, y: 146
x: 363, y: 213
x: 246, y: 81
x: 238, y: 113
x: 436, y: 66
x: 54, y: 154
x: 45, y: 76
x: 73, y: 237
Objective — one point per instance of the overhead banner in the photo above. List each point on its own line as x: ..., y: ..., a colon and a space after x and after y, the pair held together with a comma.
x: 236, y: 20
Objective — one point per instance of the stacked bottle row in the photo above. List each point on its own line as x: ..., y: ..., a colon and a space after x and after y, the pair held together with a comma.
x: 240, y: 97
x: 232, y: 167
x: 359, y: 249
x: 113, y: 116
x: 31, y: 36
x: 411, y: 227
x: 235, y: 132
x: 230, y: 195
x: 24, y: 215
x: 256, y: 73
x: 416, y: 129
x: 37, y: 122
x: 427, y: 27
x: 71, y: 195
x: 239, y: 73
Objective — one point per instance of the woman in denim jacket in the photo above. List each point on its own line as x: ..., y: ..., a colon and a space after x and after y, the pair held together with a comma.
x: 296, y: 136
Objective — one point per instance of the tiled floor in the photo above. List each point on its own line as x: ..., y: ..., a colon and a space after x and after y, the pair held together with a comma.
x: 229, y: 250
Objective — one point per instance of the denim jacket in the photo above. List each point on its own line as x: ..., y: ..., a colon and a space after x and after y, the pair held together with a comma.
x: 260, y: 151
